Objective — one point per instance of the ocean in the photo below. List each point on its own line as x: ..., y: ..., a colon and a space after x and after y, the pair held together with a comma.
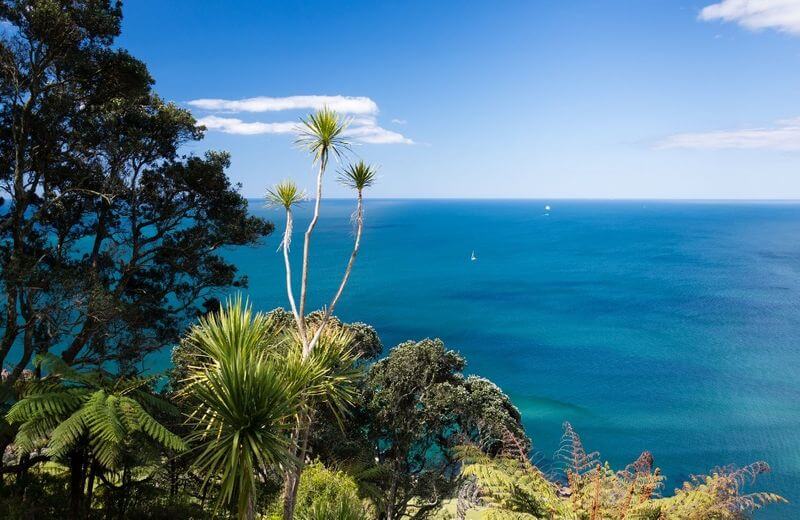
x: 672, y: 327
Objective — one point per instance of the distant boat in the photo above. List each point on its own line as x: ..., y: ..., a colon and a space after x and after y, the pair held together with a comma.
x: 547, y: 208
x: 473, y: 257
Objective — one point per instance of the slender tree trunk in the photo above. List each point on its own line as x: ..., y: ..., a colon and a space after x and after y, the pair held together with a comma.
x: 22, y: 473
x: 306, y: 246
x: 76, y: 481
x: 347, y: 271
x: 294, y: 473
x: 251, y: 508
x: 90, y: 487
x: 390, y: 506
x: 287, y: 238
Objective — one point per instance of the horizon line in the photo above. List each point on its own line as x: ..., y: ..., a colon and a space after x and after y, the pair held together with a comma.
x: 567, y: 199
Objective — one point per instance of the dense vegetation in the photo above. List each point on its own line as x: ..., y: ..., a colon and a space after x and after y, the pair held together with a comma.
x: 109, y: 243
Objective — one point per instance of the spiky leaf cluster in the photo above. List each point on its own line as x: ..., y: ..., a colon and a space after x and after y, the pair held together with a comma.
x: 322, y: 133
x: 358, y: 176
x: 246, y: 382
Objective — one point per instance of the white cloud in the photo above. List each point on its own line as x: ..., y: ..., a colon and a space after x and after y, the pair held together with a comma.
x: 364, y: 127
x: 783, y: 135
x: 343, y: 104
x: 230, y: 125
x: 783, y: 15
x: 367, y: 130
x: 399, y: 121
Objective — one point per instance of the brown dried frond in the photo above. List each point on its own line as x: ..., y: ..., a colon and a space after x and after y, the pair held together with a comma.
x: 572, y: 453
x: 513, y: 447
x: 468, y: 497
x: 746, y: 475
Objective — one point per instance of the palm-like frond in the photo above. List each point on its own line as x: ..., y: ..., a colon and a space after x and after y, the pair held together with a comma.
x: 244, y: 398
x: 328, y: 375
x: 61, y: 401
x: 322, y: 134
x: 367, y: 474
x: 572, y: 454
x: 285, y: 194
x: 358, y: 176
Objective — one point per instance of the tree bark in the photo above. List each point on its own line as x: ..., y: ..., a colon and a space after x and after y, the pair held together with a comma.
x: 76, y: 481
x: 347, y: 271
x: 390, y: 506
x: 306, y: 246
x: 90, y: 487
x: 294, y: 473
x: 287, y: 238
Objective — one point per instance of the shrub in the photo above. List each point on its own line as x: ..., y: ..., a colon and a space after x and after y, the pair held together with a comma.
x: 325, y: 493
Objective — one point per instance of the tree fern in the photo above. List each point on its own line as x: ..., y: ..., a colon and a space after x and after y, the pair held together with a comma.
x: 68, y: 407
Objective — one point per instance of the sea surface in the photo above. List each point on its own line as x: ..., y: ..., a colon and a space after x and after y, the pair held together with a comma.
x: 672, y: 327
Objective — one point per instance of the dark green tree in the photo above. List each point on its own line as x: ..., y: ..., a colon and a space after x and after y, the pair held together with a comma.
x: 420, y: 407
x: 109, y: 238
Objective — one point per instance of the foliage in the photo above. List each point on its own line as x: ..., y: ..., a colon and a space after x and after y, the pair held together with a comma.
x: 514, y: 488
x: 109, y: 238
x: 365, y: 342
x: 68, y: 407
x: 322, y: 134
x: 246, y: 382
x: 510, y: 484
x: 419, y: 408
x: 330, y: 510
x: 285, y: 194
x: 719, y: 496
x: 358, y: 176
x: 325, y: 493
x: 243, y: 397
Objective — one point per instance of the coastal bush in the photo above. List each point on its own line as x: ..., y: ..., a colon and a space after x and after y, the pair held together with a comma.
x: 418, y: 408
x: 323, y: 491
x: 510, y: 486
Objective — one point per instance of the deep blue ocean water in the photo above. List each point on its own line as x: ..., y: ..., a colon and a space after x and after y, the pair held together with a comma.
x: 660, y: 326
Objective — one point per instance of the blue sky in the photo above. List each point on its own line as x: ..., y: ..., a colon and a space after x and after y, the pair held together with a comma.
x: 556, y: 99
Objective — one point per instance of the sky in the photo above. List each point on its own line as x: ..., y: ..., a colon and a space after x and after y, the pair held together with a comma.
x: 493, y: 99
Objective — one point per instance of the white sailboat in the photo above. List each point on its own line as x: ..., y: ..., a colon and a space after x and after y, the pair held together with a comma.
x: 473, y: 257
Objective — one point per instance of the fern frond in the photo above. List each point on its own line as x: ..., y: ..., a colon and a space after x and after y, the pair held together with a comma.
x: 62, y: 402
x: 154, y: 429
x: 67, y: 433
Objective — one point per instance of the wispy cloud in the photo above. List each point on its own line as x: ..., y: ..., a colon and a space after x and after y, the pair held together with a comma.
x: 367, y: 130
x: 231, y: 125
x: 782, y: 15
x: 399, y: 121
x: 783, y: 135
x: 343, y: 104
x: 364, y: 127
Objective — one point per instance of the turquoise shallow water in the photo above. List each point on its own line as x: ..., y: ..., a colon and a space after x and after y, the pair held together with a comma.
x: 669, y: 327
